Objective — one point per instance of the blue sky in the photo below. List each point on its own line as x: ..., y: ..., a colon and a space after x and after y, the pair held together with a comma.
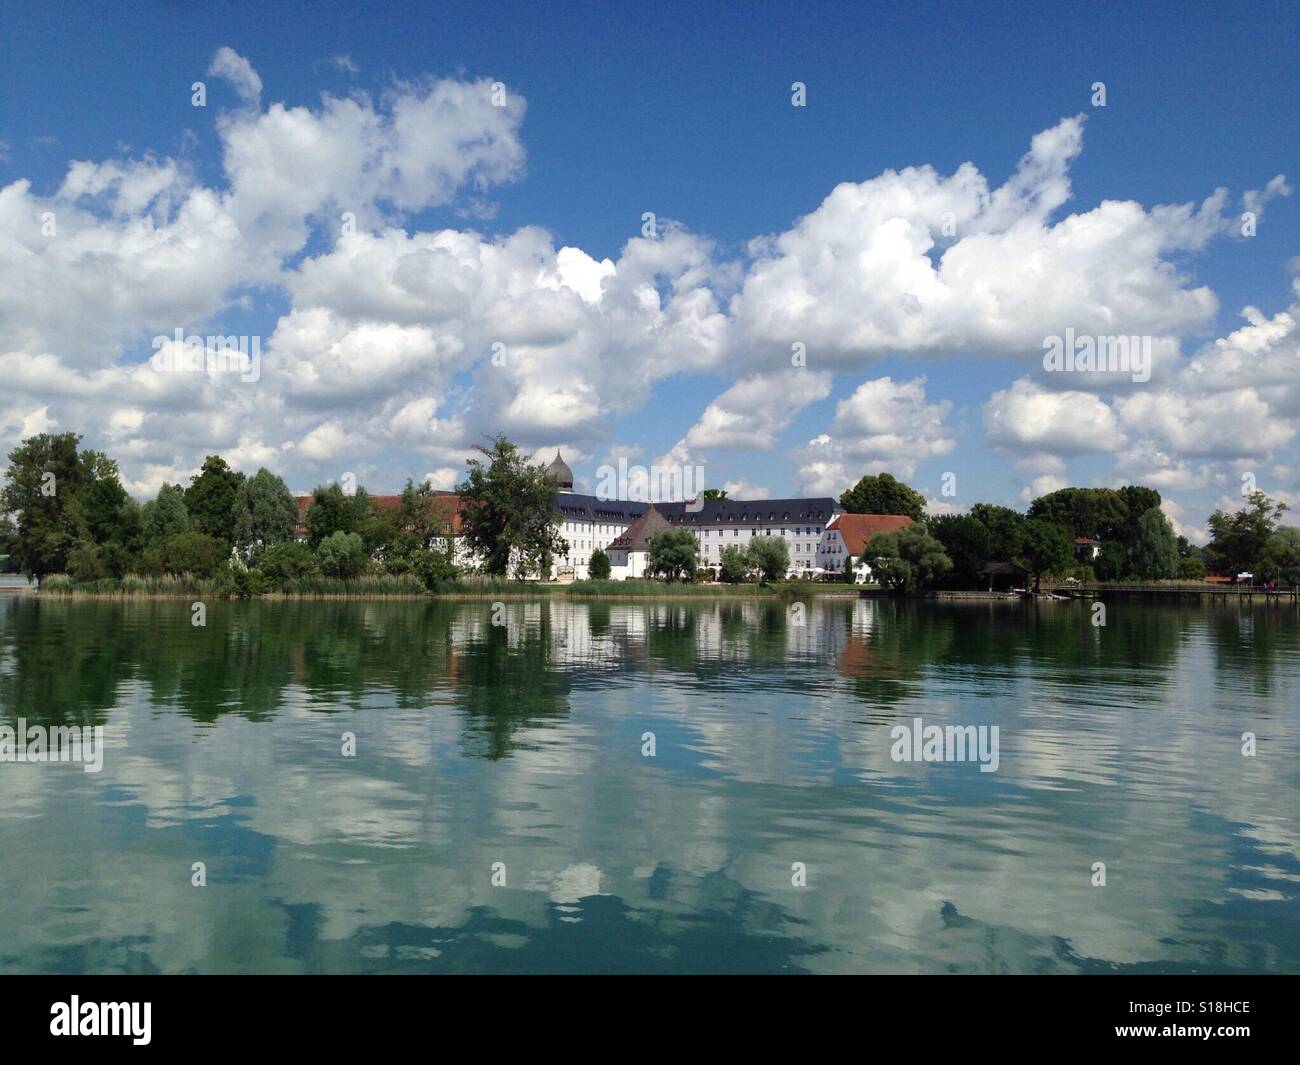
x: 684, y: 111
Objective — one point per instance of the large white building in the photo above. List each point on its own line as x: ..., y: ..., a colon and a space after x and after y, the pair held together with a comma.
x: 590, y: 523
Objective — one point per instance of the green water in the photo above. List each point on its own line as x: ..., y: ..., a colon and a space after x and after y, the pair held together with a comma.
x: 522, y: 744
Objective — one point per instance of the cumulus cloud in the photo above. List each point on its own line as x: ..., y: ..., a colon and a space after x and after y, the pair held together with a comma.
x: 1027, y: 417
x: 885, y: 425
x: 754, y: 411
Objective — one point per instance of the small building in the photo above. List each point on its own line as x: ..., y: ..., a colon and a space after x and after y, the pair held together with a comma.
x: 629, y: 553
x: 847, y: 537
x: 1005, y: 576
x: 1086, y: 548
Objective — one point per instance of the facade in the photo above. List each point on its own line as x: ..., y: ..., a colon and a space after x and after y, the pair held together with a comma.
x: 1086, y: 548
x: 847, y: 537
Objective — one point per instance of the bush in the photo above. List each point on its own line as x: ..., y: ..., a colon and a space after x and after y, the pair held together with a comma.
x: 1191, y: 569
x: 286, y: 561
x: 188, y: 552
x: 84, y: 563
x: 342, y: 555
x: 434, y: 568
x: 598, y: 568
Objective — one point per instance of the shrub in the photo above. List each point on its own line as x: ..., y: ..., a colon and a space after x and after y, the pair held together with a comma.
x: 598, y: 568
x: 286, y: 561
x: 342, y: 555
x: 187, y: 552
x: 84, y: 563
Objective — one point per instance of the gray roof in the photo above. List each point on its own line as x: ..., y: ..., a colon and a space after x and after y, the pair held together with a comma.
x: 638, y: 535
x: 755, y: 513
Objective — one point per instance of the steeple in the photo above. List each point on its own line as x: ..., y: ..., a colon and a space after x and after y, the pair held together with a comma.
x: 559, y: 472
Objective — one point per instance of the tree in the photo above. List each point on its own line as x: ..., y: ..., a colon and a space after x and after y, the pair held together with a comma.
x: 210, y: 498
x: 341, y: 555
x: 1282, y: 556
x: 264, y: 514
x: 1048, y: 548
x: 46, y: 489
x: 882, y: 494
x: 673, y: 554
x: 165, y: 516
x: 508, y: 513
x: 735, y: 564
x: 1191, y: 569
x: 1155, y: 554
x: 434, y: 566
x: 908, y: 560
x: 967, y: 542
x: 1239, y: 542
x: 1006, y: 529
x: 331, y: 511
x: 1111, y: 564
x: 1097, y: 513
x: 714, y: 495
x: 598, y: 567
x: 770, y: 555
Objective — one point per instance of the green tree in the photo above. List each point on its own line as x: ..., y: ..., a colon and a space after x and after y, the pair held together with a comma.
x: 342, y: 555
x: 1006, y: 529
x: 673, y: 554
x: 1097, y: 513
x: 883, y: 494
x: 1112, y: 563
x: 508, y: 512
x: 332, y: 511
x: 598, y: 567
x: 264, y: 514
x: 1155, y: 554
x: 1239, y: 542
x: 1282, y: 556
x: 1191, y: 569
x: 714, y: 495
x: 967, y: 542
x: 165, y: 516
x: 908, y: 560
x: 735, y: 564
x: 46, y: 491
x: 210, y: 498
x: 770, y: 555
x: 434, y: 566
x: 1048, y: 549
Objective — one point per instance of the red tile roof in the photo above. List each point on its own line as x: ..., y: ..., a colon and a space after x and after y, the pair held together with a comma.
x: 858, y: 529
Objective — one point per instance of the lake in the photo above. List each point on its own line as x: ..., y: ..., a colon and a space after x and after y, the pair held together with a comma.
x: 498, y: 808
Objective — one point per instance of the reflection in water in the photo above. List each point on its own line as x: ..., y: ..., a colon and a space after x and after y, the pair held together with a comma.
x: 514, y: 753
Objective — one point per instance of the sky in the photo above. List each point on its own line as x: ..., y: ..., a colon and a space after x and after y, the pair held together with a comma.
x: 625, y: 233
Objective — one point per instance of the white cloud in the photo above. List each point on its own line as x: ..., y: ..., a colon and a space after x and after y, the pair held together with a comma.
x: 1026, y: 417
x: 237, y: 70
